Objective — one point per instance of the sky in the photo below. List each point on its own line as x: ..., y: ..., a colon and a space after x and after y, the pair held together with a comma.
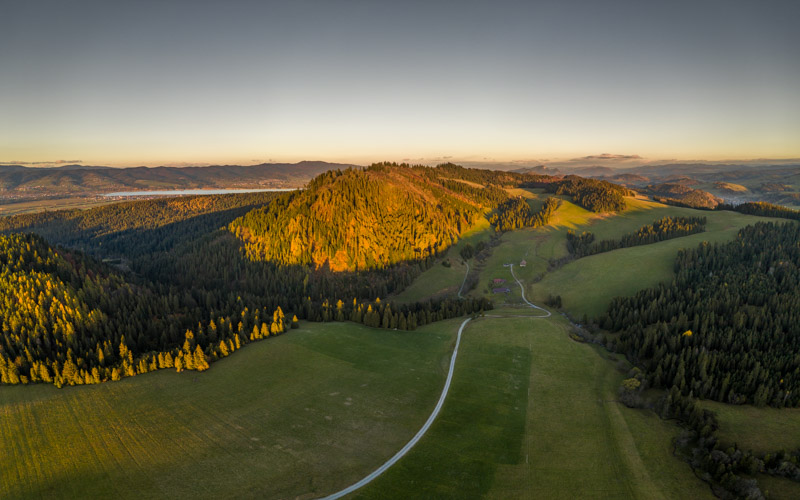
x: 192, y: 82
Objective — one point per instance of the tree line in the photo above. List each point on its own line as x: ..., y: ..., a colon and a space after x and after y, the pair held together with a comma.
x: 583, y: 244
x: 725, y: 329
x: 69, y: 320
x: 727, y: 467
x: 592, y: 194
x: 516, y: 213
x: 763, y: 209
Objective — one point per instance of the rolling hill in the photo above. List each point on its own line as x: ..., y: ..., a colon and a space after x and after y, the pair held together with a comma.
x: 81, y: 179
x: 357, y: 220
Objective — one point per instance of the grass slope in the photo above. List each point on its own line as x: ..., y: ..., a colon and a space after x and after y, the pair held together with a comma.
x: 441, y: 281
x: 302, y: 414
x: 532, y: 414
x: 587, y: 285
x: 762, y: 430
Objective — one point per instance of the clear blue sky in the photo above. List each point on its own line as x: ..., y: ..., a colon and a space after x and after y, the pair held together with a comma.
x: 156, y: 82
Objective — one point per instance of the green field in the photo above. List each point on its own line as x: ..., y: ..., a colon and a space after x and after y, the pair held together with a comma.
x: 533, y: 414
x: 779, y: 488
x: 587, y: 285
x: 310, y: 412
x: 301, y: 414
x: 761, y: 430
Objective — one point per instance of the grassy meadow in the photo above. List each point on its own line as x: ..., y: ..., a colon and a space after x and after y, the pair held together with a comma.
x: 585, y: 285
x: 762, y: 430
x: 533, y: 414
x: 309, y: 412
x: 298, y: 415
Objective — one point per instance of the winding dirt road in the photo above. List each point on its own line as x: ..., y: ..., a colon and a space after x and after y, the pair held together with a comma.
x: 405, y: 449
x: 522, y: 289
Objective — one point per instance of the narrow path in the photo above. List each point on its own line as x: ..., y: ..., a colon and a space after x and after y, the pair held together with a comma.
x: 522, y: 289
x: 400, y: 454
x: 380, y: 470
x: 463, y: 282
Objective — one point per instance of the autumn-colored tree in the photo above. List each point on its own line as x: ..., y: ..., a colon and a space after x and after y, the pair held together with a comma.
x: 199, y: 359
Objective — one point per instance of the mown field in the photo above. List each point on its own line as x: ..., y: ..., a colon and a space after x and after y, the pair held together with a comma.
x: 532, y: 414
x: 298, y: 415
x: 312, y: 411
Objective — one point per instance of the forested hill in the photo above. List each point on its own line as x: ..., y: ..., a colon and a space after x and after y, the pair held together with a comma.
x: 370, y: 219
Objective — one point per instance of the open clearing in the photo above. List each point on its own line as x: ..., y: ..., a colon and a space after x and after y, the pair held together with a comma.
x: 532, y: 414
x: 762, y: 430
x: 441, y: 281
x: 586, y: 286
x: 303, y: 414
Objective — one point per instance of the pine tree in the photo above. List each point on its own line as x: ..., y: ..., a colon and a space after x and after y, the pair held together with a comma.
x: 200, y: 362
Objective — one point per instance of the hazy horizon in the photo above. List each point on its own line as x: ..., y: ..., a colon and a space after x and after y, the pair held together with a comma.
x: 160, y: 83
x: 611, y: 161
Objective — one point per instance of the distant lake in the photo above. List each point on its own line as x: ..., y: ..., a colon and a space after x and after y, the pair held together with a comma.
x: 181, y: 192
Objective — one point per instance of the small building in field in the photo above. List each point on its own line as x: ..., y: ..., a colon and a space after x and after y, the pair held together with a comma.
x: 498, y: 281
x: 501, y: 290
x: 523, y: 264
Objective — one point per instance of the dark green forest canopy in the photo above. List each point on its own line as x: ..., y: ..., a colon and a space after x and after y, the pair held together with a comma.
x: 191, y: 295
x: 67, y: 319
x: 763, y: 209
x: 592, y: 194
x: 728, y: 327
x: 516, y: 213
x: 581, y: 245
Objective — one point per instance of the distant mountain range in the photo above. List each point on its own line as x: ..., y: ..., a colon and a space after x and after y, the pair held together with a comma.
x: 18, y: 180
x: 733, y: 183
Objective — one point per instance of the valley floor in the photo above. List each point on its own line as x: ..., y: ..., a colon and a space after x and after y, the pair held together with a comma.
x: 307, y: 413
x: 533, y: 414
